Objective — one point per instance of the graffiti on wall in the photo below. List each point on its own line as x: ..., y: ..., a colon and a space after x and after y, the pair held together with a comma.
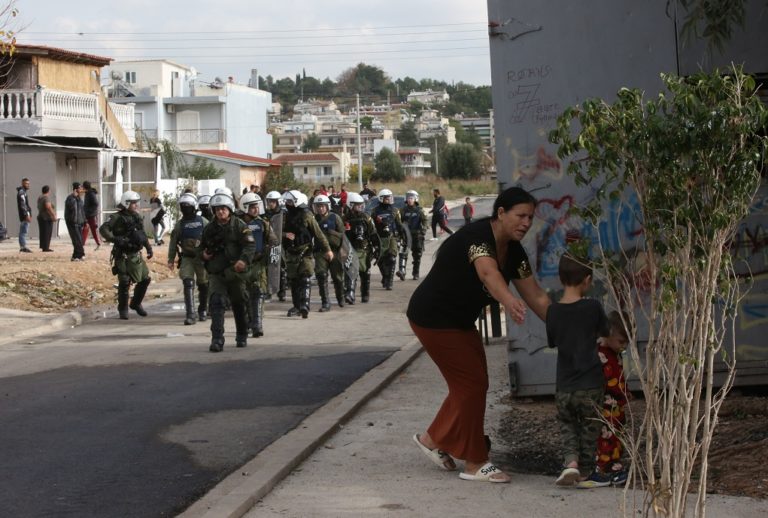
x: 528, y: 170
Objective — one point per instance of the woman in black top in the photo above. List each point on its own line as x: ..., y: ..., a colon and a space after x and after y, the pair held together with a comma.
x: 472, y: 268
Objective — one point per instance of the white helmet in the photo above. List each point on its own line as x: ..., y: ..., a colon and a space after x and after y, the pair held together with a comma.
x: 128, y: 197
x: 204, y: 200
x: 412, y: 194
x: 224, y: 190
x: 383, y: 194
x: 250, y: 198
x: 222, y: 200
x: 321, y: 198
x: 273, y: 195
x: 188, y: 199
x: 295, y: 198
x: 353, y: 197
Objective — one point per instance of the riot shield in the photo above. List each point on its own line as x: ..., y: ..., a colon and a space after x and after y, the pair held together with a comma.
x: 275, y: 254
x: 349, y: 260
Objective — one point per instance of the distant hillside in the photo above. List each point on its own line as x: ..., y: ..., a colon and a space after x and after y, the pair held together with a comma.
x: 374, y: 86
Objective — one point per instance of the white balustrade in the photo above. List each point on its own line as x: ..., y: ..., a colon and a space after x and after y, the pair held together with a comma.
x: 18, y: 104
x: 69, y: 106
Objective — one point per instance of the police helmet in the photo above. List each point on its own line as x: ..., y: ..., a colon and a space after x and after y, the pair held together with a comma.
x: 295, y: 198
x: 321, y: 199
x: 249, y: 198
x: 222, y: 200
x: 224, y: 190
x: 273, y: 195
x: 204, y: 200
x: 412, y: 194
x: 383, y: 194
x: 353, y: 197
x: 188, y: 199
x: 128, y: 197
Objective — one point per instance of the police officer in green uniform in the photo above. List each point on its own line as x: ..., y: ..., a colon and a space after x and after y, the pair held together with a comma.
x: 362, y: 235
x: 333, y: 227
x: 274, y: 209
x: 386, y: 219
x: 125, y: 230
x: 227, y: 247
x: 185, y: 239
x: 415, y: 219
x: 301, y: 234
x: 264, y: 238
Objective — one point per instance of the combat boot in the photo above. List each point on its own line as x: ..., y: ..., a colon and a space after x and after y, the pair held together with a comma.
x: 294, y: 300
x: 122, y: 300
x: 241, y: 324
x: 305, y: 292
x: 217, y: 323
x: 260, y: 313
x: 322, y: 287
x: 403, y: 263
x: 390, y: 277
x: 189, y: 301
x: 283, y: 284
x: 339, y: 290
x: 416, y: 264
x: 138, y: 295
x: 202, y: 307
x: 351, y: 286
x: 365, y: 286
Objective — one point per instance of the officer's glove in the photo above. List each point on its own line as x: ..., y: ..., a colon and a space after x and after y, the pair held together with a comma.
x: 149, y: 252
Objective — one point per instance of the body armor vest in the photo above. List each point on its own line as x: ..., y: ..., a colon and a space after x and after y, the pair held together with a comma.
x: 190, y: 236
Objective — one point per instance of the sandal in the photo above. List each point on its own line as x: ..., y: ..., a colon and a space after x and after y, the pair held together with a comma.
x: 486, y: 474
x: 439, y: 457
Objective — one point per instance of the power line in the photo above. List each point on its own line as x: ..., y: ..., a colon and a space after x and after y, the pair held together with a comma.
x: 280, y: 47
x: 82, y: 39
x: 292, y: 30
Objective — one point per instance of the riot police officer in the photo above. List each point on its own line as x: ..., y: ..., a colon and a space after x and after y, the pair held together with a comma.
x: 185, y: 240
x: 203, y: 203
x: 333, y: 227
x: 264, y: 239
x: 362, y: 235
x: 274, y: 213
x: 301, y: 235
x: 125, y: 230
x: 227, y: 247
x: 386, y: 219
x: 415, y: 220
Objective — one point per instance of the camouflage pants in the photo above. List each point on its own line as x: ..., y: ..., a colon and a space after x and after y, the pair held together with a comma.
x: 579, y: 415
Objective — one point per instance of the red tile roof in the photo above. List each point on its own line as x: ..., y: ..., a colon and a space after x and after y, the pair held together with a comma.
x: 61, y: 54
x: 266, y: 162
x: 306, y: 157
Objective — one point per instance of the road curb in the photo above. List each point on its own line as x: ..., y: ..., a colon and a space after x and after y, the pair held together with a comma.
x: 234, y: 496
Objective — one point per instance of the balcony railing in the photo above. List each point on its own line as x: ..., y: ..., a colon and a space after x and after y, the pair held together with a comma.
x: 191, y: 137
x: 125, y: 115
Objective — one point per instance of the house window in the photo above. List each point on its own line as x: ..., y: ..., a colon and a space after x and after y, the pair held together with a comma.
x: 327, y: 170
x: 130, y: 77
x: 306, y: 170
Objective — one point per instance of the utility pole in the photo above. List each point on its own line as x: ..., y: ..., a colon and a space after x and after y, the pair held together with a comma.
x: 359, y: 147
x: 437, y: 159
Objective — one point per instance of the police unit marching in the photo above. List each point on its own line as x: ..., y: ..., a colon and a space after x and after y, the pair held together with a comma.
x: 238, y: 259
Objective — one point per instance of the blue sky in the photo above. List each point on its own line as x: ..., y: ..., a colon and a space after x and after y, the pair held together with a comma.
x: 444, y: 39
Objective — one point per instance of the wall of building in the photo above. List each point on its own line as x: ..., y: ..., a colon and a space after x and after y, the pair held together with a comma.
x: 541, y: 63
x: 246, y: 121
x: 70, y: 77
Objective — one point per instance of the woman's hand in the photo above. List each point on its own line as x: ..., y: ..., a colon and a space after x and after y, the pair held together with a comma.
x: 516, y: 309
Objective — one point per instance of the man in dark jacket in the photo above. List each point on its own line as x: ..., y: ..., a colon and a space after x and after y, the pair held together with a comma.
x: 74, y: 216
x: 25, y: 214
x: 91, y: 209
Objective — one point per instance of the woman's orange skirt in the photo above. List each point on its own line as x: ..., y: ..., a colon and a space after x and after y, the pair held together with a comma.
x: 458, y: 425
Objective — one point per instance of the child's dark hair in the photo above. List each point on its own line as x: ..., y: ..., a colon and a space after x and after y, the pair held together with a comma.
x: 616, y: 323
x: 573, y: 270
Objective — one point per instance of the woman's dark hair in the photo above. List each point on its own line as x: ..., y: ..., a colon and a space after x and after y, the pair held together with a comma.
x: 511, y: 197
x: 46, y: 189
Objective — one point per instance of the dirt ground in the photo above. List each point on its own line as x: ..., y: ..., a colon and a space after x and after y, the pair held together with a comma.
x: 51, y: 283
x: 531, y: 441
